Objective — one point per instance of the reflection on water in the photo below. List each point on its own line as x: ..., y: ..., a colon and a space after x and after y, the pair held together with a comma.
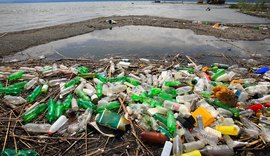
x: 143, y: 41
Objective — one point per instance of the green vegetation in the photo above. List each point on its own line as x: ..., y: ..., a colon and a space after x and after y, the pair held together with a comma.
x: 244, y: 5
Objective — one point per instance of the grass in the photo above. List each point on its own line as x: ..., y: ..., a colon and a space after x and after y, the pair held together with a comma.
x: 243, y: 5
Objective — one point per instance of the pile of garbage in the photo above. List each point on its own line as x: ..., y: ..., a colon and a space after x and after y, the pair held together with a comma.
x: 191, y: 109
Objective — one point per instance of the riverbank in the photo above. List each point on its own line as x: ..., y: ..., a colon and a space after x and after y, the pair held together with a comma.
x: 17, y: 41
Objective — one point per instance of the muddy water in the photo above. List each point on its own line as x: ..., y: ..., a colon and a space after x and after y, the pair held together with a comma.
x: 143, y: 41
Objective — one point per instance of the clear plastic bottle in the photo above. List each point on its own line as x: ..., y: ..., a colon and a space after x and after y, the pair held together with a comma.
x: 203, y: 135
x: 167, y: 149
x: 31, y: 83
x: 62, y: 120
x: 195, y: 145
x: 15, y: 100
x: 37, y: 128
x: 56, y: 82
x: 177, y: 146
x: 183, y: 90
x: 220, y: 150
x: 74, y: 104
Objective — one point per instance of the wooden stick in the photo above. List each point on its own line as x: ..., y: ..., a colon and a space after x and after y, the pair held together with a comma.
x: 132, y: 127
x: 4, y: 146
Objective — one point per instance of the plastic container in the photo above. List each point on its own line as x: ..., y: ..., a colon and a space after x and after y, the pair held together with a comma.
x: 207, y: 118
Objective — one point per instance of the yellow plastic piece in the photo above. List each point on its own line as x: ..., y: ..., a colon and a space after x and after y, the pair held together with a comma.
x: 193, y: 153
x: 207, y: 118
x: 225, y: 95
x: 205, y: 69
x: 227, y: 130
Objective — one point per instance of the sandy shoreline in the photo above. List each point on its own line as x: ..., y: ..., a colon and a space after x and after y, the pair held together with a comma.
x: 13, y: 42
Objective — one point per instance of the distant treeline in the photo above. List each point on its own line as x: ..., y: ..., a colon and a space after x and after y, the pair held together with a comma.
x: 41, y: 1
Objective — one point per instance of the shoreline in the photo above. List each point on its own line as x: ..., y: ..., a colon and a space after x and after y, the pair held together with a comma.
x: 13, y: 42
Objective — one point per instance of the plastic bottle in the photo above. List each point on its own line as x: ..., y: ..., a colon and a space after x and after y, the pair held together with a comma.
x: 112, y: 120
x: 74, y: 104
x: 110, y: 106
x: 61, y: 121
x: 248, y: 124
x: 246, y: 113
x: 67, y: 102
x: 188, y: 136
x: 67, y: 90
x: 82, y: 69
x: 200, y: 122
x: 133, y: 81
x: 18, y: 85
x: 12, y: 152
x: 167, y: 149
x: 51, y: 111
x: 177, y: 146
x: 31, y: 83
x: 72, y: 82
x: 177, y: 107
x: 34, y: 113
x: 85, y: 104
x: 88, y: 92
x: 160, y: 118
x: 220, y: 150
x: 171, y: 123
x: 195, y: 145
x: 209, y: 138
x: 218, y: 74
x: 172, y: 83
x: 183, y: 90
x: 45, y: 88
x: 16, y: 100
x: 228, y: 130
x: 217, y: 103
x: 99, y: 90
x: 10, y: 91
x: 94, y: 98
x: 134, y: 76
x: 34, y: 94
x: 199, y: 87
x: 37, y: 128
x: 56, y: 82
x: 16, y: 75
x: 193, y: 153
x: 83, y: 95
x: 103, y: 79
x: 220, y: 65
x: 59, y: 109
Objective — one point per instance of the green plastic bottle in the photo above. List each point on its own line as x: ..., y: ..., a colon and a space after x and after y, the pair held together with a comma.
x: 133, y: 81
x: 165, y: 96
x: 164, y: 131
x: 34, y: 113
x: 12, y: 91
x: 206, y: 94
x: 34, y: 94
x: 59, y: 109
x: 171, y: 92
x: 16, y: 76
x: 51, y: 111
x: 118, y: 79
x: 72, y: 82
x: 86, y: 104
x: 101, y: 78
x: 160, y: 118
x: 172, y: 83
x: 235, y: 111
x: 190, y: 70
x: 220, y: 65
x: 83, y: 95
x: 82, y: 69
x: 87, y: 75
x: 218, y: 74
x: 114, y: 105
x: 19, y: 85
x: 155, y: 91
x: 12, y: 152
x: 136, y: 98
x: 67, y: 102
x: 171, y: 123
x: 99, y: 90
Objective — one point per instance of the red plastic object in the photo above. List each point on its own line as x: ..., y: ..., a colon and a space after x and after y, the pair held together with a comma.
x: 255, y: 107
x: 153, y: 137
x: 267, y: 104
x: 207, y: 76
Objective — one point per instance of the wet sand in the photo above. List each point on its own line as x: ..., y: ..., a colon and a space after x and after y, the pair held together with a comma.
x: 13, y: 42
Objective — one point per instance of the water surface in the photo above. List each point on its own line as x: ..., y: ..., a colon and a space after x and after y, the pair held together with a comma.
x: 22, y: 16
x: 143, y: 41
